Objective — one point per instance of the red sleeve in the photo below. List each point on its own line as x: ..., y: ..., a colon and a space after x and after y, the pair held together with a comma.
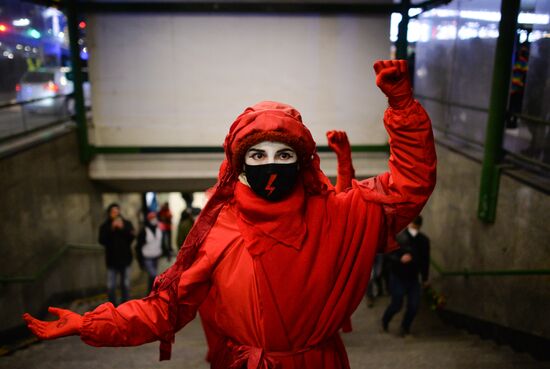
x: 130, y: 324
x: 141, y: 321
x: 346, y: 173
x: 404, y: 190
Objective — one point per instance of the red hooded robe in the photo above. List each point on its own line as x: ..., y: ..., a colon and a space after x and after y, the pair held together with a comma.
x: 283, y: 275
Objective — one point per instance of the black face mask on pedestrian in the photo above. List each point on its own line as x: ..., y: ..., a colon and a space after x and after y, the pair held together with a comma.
x: 273, y: 182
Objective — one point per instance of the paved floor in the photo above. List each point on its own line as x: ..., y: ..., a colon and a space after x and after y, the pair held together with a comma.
x: 432, y: 345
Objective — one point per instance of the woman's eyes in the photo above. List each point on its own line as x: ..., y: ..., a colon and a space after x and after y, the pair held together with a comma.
x: 281, y: 156
x: 285, y: 156
x: 257, y: 156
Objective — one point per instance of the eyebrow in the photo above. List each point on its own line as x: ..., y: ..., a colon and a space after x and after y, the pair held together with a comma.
x: 278, y: 151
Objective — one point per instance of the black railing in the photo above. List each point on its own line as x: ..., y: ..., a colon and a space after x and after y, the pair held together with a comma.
x: 14, y: 123
x: 31, y: 101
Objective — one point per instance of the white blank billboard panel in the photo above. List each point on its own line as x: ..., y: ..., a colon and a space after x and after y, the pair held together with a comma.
x: 180, y: 80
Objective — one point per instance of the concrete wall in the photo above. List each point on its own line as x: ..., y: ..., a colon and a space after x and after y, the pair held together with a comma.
x: 517, y: 240
x: 47, y: 202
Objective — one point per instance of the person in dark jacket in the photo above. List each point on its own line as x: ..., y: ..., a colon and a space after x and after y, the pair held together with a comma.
x: 116, y: 235
x: 406, y: 264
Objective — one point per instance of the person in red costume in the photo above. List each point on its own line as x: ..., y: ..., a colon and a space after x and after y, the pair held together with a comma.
x: 338, y: 142
x: 287, y: 256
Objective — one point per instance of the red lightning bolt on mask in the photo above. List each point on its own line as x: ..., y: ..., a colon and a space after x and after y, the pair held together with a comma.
x: 269, y: 186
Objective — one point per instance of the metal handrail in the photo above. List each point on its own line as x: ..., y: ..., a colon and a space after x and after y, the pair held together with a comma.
x: 50, y: 263
x: 528, y: 159
x: 26, y: 102
x: 531, y: 118
x: 526, y: 117
x: 96, y: 248
x: 487, y: 273
x: 446, y: 102
x: 465, y: 139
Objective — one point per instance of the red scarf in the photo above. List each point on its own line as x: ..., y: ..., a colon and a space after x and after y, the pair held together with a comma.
x: 264, y: 223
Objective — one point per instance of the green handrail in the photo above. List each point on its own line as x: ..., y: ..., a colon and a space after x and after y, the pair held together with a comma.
x: 486, y: 273
x: 373, y: 148
x: 50, y: 263
x: 96, y: 248
x: 493, y: 155
x: 531, y: 119
x: 80, y: 110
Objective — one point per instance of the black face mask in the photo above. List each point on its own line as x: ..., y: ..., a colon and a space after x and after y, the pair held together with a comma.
x: 272, y: 181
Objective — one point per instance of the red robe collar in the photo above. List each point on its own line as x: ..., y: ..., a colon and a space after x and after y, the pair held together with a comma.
x: 264, y: 224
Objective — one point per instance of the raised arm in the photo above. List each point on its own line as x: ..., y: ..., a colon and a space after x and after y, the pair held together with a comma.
x: 403, y: 190
x: 339, y: 143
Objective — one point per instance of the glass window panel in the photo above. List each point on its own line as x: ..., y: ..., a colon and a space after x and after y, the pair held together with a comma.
x: 454, y: 66
x: 33, y: 44
x: 467, y: 124
x: 528, y: 127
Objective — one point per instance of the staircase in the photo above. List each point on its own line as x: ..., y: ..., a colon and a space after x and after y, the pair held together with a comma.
x: 432, y: 345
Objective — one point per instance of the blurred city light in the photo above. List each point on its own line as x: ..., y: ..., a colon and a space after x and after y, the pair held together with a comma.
x: 34, y: 33
x: 21, y: 22
x: 414, y: 11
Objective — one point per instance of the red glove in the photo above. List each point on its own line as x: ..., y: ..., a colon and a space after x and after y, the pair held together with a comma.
x: 392, y: 77
x: 339, y: 143
x: 69, y: 324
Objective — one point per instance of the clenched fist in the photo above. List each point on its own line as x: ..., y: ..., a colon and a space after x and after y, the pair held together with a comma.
x: 392, y: 77
x: 68, y: 324
x: 339, y: 143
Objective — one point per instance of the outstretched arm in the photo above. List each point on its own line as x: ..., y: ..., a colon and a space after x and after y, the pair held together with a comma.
x: 339, y: 143
x: 135, y: 322
x: 132, y: 323
x: 403, y: 190
x: 68, y: 324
